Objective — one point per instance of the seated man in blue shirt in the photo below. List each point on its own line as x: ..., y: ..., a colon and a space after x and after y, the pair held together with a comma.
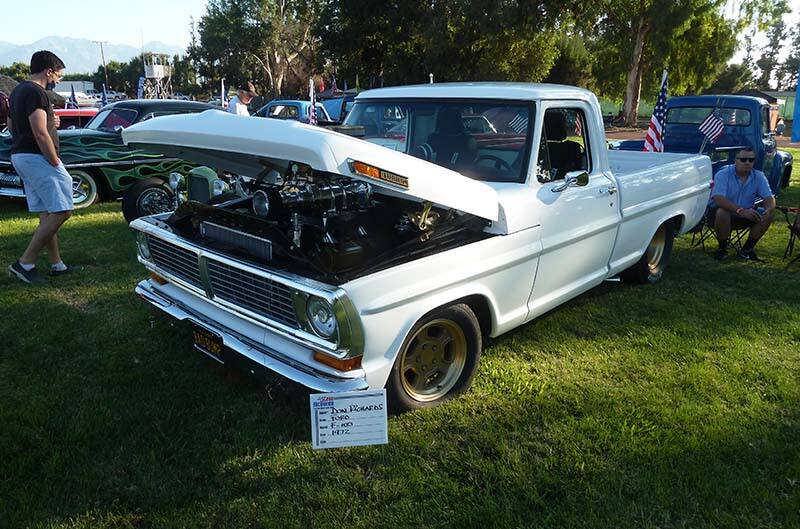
x: 736, y: 189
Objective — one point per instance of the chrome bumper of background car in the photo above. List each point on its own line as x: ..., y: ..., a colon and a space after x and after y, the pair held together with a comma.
x: 255, y: 352
x: 16, y: 192
x: 11, y: 184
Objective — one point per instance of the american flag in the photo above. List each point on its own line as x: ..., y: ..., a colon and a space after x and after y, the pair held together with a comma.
x: 578, y: 126
x: 72, y: 102
x: 312, y: 110
x: 712, y: 127
x: 654, y: 141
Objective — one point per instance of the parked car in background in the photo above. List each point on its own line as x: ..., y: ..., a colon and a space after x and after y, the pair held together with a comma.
x: 295, y: 109
x: 75, y: 118
x: 181, y: 97
x: 747, y: 120
x: 350, y: 266
x: 81, y: 97
x: 102, y: 167
x: 217, y: 102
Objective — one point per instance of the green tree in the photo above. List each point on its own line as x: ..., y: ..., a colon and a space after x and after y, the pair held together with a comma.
x: 19, y: 71
x: 268, y: 40
x: 403, y: 41
x: 787, y: 72
x: 734, y: 78
x: 633, y: 40
x: 776, y: 35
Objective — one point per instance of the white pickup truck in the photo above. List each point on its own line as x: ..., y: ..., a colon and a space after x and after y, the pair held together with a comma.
x: 461, y: 212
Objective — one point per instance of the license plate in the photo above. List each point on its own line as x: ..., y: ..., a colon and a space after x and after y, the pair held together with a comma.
x: 208, y: 342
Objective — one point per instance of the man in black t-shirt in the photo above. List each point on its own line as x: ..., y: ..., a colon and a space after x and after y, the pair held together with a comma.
x: 34, y: 155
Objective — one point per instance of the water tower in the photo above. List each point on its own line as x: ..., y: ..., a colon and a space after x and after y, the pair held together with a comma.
x: 158, y: 76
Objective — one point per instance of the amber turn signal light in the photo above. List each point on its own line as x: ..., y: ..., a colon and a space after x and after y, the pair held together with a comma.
x: 366, y: 170
x: 157, y: 278
x: 347, y: 364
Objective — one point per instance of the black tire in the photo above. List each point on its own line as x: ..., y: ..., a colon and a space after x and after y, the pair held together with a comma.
x: 445, y: 348
x: 147, y: 197
x: 85, y: 188
x: 652, y: 264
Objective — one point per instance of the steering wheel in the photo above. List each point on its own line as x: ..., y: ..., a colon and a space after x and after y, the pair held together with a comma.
x: 499, y: 163
x: 423, y: 151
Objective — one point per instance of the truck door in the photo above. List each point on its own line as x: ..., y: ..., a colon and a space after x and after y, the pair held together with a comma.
x: 579, y: 220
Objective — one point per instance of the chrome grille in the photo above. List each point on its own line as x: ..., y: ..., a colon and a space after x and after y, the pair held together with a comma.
x: 175, y: 260
x: 10, y: 180
x: 255, y: 293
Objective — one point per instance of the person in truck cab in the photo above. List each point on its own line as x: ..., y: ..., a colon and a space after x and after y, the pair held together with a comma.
x: 737, y: 189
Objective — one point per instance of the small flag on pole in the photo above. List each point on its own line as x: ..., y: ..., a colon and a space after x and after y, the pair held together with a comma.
x: 104, y: 97
x: 712, y: 127
x: 73, y: 101
x: 654, y: 140
x: 578, y: 126
x: 140, y: 88
x: 312, y: 110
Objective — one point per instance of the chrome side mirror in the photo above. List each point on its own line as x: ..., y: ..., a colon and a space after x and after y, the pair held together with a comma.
x: 572, y: 179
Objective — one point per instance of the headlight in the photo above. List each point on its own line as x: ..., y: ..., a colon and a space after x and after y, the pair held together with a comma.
x: 143, y: 245
x: 218, y: 187
x: 321, y: 317
x: 175, y: 180
x: 261, y: 204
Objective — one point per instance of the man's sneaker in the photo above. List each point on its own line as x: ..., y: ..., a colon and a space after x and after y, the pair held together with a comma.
x: 721, y: 254
x: 750, y: 255
x: 68, y: 270
x: 28, y: 276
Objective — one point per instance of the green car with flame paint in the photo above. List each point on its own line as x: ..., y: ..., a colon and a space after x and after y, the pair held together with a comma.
x: 103, y: 168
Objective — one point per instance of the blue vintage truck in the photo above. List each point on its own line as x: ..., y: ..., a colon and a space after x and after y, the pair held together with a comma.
x: 747, y: 119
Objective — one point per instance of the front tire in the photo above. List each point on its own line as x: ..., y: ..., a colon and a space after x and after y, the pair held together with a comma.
x: 438, y: 359
x: 652, y: 264
x: 147, y: 197
x: 85, y: 191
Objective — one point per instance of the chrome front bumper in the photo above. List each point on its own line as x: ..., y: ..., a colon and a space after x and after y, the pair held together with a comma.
x: 11, y: 185
x: 255, y: 352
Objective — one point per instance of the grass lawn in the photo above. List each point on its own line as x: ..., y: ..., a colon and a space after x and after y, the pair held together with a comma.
x: 674, y: 405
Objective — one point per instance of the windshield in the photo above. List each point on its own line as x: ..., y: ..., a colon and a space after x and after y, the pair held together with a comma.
x: 112, y: 118
x: 479, y: 139
x: 695, y: 115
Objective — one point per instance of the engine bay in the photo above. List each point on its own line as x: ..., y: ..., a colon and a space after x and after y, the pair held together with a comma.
x: 323, y: 226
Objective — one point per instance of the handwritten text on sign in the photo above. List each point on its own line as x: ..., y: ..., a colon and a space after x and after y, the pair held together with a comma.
x: 353, y: 418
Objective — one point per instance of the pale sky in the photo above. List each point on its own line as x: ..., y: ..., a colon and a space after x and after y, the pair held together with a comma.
x: 117, y: 22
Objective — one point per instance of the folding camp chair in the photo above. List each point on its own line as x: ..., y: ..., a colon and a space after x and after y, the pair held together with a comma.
x: 704, y: 232
x: 794, y: 232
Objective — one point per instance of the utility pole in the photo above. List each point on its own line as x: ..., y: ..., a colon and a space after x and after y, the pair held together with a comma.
x: 103, y: 56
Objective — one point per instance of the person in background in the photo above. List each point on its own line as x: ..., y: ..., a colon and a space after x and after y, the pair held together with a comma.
x: 3, y: 110
x: 34, y: 155
x: 238, y: 103
x: 733, y: 199
x: 780, y: 127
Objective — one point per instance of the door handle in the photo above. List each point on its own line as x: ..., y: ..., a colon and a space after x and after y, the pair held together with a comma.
x: 612, y: 190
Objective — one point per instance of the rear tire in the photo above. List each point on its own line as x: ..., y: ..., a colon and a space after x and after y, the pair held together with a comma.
x: 652, y: 264
x: 147, y: 197
x: 438, y: 359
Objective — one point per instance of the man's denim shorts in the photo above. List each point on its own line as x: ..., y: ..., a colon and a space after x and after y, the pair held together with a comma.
x: 47, y: 188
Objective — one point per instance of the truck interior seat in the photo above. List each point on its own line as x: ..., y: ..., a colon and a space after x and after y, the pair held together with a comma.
x: 565, y: 155
x: 452, y: 146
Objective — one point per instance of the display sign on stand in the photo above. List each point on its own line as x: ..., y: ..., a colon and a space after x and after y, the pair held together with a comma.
x: 353, y: 418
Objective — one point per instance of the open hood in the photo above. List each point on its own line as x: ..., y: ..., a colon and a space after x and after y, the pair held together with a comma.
x: 243, y: 145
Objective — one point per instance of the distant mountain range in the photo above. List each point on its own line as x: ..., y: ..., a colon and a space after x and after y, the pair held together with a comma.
x: 80, y: 55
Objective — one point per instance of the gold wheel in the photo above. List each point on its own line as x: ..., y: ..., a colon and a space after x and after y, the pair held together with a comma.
x: 655, y: 250
x: 433, y: 360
